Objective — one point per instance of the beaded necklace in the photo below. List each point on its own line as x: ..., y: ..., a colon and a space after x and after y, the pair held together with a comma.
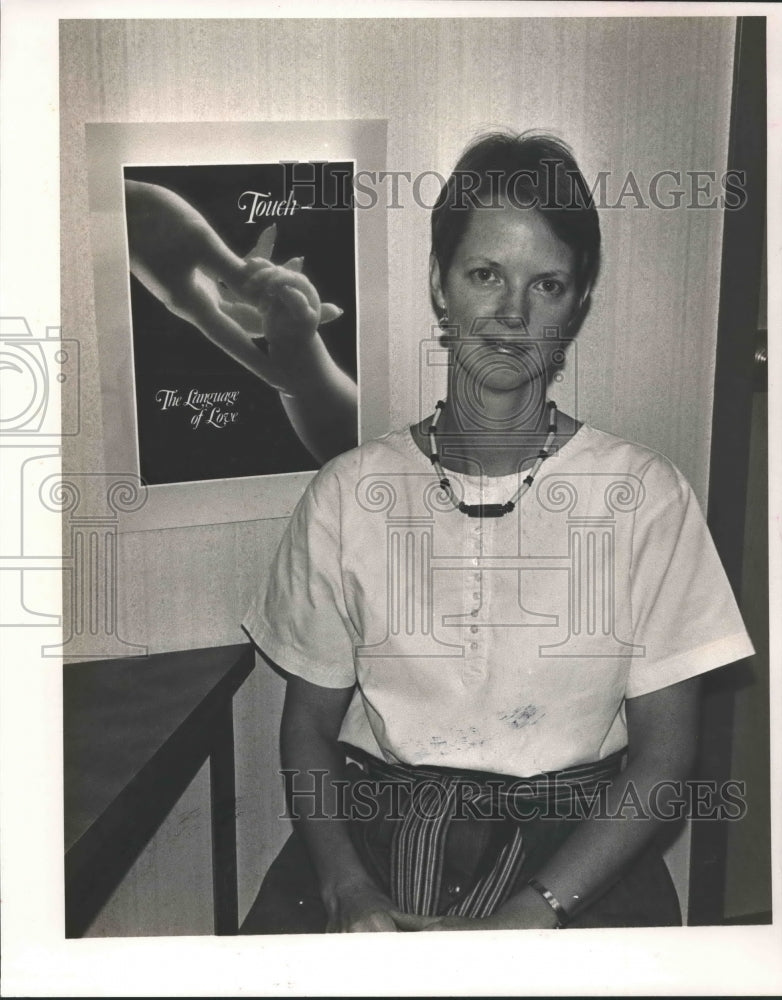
x: 490, y: 509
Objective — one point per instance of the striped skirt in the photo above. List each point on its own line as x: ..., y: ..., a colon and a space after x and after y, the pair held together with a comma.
x: 443, y: 842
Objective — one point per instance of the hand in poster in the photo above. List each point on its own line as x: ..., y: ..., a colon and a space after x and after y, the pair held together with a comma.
x: 278, y: 306
x: 264, y: 316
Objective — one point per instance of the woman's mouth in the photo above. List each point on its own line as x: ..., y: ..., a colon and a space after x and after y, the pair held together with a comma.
x: 506, y: 346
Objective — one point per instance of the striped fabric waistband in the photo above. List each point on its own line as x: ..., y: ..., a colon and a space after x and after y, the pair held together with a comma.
x: 419, y: 840
x: 549, y: 787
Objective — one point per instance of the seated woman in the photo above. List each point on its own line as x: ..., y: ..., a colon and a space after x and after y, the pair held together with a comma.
x: 494, y: 621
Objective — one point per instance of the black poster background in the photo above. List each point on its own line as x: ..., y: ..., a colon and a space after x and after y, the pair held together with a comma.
x: 170, y: 353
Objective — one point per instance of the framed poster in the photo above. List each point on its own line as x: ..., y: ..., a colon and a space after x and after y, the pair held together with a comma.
x: 212, y: 440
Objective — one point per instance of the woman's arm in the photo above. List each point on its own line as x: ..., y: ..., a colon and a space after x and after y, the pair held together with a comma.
x: 662, y: 738
x: 662, y: 735
x: 311, y: 720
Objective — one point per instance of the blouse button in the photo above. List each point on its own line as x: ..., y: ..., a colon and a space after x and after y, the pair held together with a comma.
x: 473, y: 628
x: 474, y: 612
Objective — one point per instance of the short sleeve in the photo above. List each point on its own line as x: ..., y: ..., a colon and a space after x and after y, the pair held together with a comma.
x: 300, y: 621
x: 684, y: 613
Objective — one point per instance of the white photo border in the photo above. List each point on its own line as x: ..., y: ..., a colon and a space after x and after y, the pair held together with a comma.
x: 38, y: 960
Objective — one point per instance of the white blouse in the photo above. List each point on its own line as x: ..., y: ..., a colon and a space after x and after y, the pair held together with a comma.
x: 506, y: 644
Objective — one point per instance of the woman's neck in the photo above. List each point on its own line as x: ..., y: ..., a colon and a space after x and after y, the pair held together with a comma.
x: 487, y: 446
x: 486, y: 412
x: 494, y: 434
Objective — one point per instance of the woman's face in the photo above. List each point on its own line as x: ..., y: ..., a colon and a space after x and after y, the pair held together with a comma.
x: 510, y: 294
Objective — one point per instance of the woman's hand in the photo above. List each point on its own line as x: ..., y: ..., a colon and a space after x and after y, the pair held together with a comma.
x: 359, y: 909
x: 412, y: 922
x: 524, y: 917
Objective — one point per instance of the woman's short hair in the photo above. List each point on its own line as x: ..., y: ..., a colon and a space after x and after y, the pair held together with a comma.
x: 532, y: 170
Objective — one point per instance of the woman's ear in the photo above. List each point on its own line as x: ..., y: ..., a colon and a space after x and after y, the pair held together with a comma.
x: 580, y: 312
x: 435, y: 285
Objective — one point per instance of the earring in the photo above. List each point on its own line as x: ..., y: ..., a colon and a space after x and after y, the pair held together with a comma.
x: 448, y: 336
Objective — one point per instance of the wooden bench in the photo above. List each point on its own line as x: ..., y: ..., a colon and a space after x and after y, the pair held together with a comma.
x: 136, y: 732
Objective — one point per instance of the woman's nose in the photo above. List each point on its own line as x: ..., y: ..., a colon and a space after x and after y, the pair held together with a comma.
x: 512, y: 311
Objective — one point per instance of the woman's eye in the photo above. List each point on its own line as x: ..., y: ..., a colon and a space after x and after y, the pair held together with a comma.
x: 483, y: 275
x: 551, y: 286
